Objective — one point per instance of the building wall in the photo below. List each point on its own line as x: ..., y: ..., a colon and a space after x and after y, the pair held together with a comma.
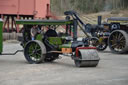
x: 24, y: 7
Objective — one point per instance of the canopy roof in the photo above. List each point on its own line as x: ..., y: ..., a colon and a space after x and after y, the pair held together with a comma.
x: 44, y: 22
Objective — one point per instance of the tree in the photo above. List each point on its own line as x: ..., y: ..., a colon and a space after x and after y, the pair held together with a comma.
x: 87, y: 6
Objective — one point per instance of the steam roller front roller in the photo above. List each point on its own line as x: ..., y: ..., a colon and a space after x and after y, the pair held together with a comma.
x: 35, y: 52
x: 86, y: 58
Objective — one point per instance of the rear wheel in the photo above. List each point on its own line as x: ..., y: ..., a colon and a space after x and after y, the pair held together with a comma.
x: 102, y: 46
x: 99, y: 45
x: 34, y: 51
x: 94, y: 41
x: 118, y: 41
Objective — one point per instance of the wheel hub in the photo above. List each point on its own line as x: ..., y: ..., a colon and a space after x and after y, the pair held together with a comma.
x: 118, y: 41
x: 33, y: 51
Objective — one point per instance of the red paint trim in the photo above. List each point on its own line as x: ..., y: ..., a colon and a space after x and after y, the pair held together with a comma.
x: 77, y: 49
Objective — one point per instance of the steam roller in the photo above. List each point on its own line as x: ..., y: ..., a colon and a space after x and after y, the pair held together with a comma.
x: 50, y: 42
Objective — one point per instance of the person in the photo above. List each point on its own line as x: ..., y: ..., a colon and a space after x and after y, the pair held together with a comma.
x: 34, y: 31
x: 51, y: 32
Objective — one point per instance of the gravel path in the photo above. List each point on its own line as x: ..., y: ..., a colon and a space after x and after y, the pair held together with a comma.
x: 14, y: 70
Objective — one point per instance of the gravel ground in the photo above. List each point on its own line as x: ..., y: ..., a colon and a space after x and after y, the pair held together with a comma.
x: 14, y: 70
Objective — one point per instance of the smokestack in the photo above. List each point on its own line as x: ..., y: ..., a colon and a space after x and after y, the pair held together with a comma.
x: 99, y: 20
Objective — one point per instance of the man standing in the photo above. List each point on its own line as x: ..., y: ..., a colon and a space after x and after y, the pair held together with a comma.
x: 34, y: 31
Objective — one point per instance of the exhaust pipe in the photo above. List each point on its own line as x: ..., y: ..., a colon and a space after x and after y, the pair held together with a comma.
x: 99, y: 20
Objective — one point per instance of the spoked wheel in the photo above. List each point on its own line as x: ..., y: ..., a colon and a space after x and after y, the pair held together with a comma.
x: 118, y: 41
x: 102, y: 45
x: 99, y: 45
x: 50, y: 57
x: 34, y: 52
x: 94, y: 41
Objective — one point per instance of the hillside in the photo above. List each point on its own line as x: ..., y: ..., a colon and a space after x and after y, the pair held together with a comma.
x: 92, y: 18
x: 88, y: 6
